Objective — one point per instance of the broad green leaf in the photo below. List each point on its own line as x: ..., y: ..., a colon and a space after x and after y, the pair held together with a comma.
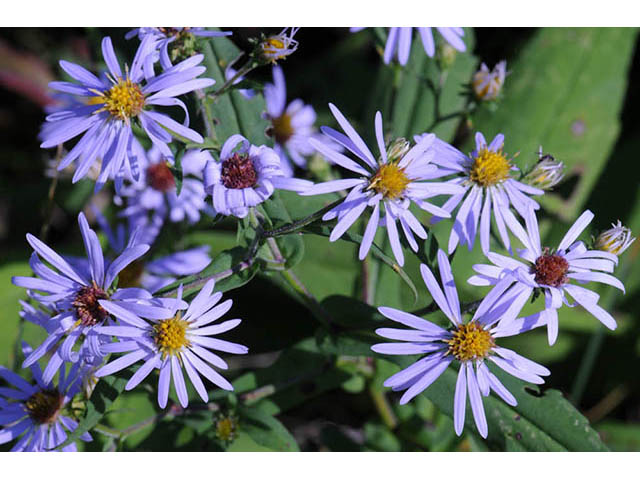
x: 564, y: 92
x: 232, y: 112
x: 266, y: 430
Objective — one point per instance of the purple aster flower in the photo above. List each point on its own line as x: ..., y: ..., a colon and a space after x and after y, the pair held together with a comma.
x: 291, y: 126
x: 161, y: 37
x: 170, y: 340
x: 278, y: 47
x: 35, y: 414
x: 389, y: 185
x: 155, y: 195
x: 73, y: 293
x: 488, y: 188
x: 107, y: 106
x: 399, y: 41
x: 471, y: 344
x: 550, y: 271
x: 245, y: 177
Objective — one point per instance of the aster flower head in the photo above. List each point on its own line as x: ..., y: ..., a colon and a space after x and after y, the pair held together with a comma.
x: 389, y: 185
x: 155, y: 193
x: 245, y: 177
x: 291, y: 125
x: 280, y: 46
x: 489, y: 190
x: 615, y: 240
x: 471, y: 344
x: 107, y: 106
x: 34, y: 414
x: 487, y: 84
x: 553, y: 272
x: 170, y: 339
x: 162, y: 37
x: 399, y: 41
x: 547, y: 173
x: 72, y: 294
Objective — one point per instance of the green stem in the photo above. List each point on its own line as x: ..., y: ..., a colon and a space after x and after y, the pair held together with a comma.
x: 248, y: 67
x: 51, y: 195
x: 298, y: 224
x: 207, y: 114
x: 382, y: 406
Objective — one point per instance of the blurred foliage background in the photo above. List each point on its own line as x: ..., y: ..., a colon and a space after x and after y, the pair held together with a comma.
x: 569, y: 90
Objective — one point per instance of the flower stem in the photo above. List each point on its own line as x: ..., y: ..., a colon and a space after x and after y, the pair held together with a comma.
x: 248, y: 67
x: 298, y: 224
x: 52, y: 192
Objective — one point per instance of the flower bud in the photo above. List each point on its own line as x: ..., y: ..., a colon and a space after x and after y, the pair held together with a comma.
x: 397, y: 149
x: 277, y: 47
x: 486, y: 83
x: 226, y: 427
x: 547, y: 173
x: 615, y: 240
x: 446, y: 56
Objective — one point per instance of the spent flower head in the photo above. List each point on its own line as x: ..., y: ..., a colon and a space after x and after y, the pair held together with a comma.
x: 554, y: 272
x: 278, y: 47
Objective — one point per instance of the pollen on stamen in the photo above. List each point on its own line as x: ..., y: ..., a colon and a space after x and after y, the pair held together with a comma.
x: 489, y: 168
x: 470, y: 342
x: 124, y: 100
x: 44, y: 406
x: 550, y: 269
x: 170, y: 335
x: 390, y: 180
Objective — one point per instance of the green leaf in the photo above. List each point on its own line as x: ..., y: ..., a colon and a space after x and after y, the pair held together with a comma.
x: 226, y: 260
x: 105, y: 393
x: 376, y: 251
x: 564, y: 92
x: 266, y: 430
x: 232, y: 112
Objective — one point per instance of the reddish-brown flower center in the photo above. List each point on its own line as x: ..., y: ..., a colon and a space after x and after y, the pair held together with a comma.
x: 550, y: 269
x: 44, y: 406
x: 238, y: 172
x: 88, y: 310
x: 159, y: 177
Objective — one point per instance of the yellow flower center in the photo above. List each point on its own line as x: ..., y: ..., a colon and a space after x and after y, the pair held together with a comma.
x: 470, y: 342
x: 44, y: 406
x: 390, y: 180
x: 489, y: 168
x: 281, y: 128
x: 124, y: 100
x: 170, y: 335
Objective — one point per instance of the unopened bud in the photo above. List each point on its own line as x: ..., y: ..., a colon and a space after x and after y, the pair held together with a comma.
x: 397, y: 149
x: 486, y: 83
x: 446, y: 56
x: 547, y: 173
x: 615, y: 240
x: 278, y: 47
x: 226, y: 428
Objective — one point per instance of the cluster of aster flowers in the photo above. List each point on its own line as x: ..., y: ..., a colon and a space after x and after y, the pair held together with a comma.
x: 103, y: 313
